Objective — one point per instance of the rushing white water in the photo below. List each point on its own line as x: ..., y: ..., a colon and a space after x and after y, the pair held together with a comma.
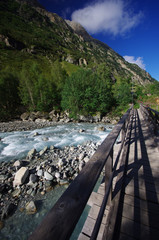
x: 15, y: 145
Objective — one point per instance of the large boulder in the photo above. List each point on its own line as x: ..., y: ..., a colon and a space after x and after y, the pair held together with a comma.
x: 20, y: 176
x: 25, y: 116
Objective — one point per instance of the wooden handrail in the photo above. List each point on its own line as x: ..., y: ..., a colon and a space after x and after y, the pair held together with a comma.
x: 61, y: 220
x: 152, y: 115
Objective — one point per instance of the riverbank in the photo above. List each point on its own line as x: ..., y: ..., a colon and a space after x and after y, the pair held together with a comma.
x: 36, y: 120
x: 22, y: 181
x: 19, y: 125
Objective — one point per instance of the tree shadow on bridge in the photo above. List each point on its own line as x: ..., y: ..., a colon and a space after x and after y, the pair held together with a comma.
x: 138, y: 212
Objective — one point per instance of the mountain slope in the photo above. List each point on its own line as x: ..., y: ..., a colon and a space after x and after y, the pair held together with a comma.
x: 28, y: 31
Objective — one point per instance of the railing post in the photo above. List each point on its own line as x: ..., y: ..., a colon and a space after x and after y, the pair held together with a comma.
x: 122, y: 133
x: 108, y: 173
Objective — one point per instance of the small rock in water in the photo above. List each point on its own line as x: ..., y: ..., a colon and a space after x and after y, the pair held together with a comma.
x: 43, y: 193
x: 63, y: 182
x: 102, y: 129
x: 30, y: 208
x: 48, y: 186
x: 36, y: 134
x: 81, y: 130
x: 45, y: 139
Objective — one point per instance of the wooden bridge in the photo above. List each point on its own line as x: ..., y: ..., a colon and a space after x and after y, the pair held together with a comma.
x: 126, y: 205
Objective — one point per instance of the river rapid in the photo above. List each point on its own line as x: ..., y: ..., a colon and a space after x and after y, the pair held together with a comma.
x: 15, y: 145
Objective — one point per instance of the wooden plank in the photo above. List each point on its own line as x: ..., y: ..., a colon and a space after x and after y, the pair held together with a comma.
x: 137, y: 230
x: 125, y: 237
x: 93, y: 213
x: 83, y: 237
x: 88, y: 228
x: 142, y: 184
x: 139, y: 203
x: 140, y: 216
x: 151, y: 196
x: 101, y: 190
x: 95, y: 198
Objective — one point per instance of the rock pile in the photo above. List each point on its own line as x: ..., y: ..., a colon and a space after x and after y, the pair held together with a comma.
x: 22, y: 180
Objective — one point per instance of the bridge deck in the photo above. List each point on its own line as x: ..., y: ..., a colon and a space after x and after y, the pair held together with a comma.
x: 138, y: 212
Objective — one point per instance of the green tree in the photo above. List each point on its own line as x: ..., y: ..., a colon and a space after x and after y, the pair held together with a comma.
x: 122, y: 92
x: 78, y: 95
x: 86, y: 92
x: 9, y: 98
x: 105, y: 89
x: 38, y: 91
x: 28, y: 78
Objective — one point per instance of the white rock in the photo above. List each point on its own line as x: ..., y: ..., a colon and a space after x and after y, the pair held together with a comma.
x: 43, y: 151
x: 20, y: 176
x: 81, y: 130
x: 81, y: 156
x: 81, y: 165
x: 17, y: 163
x: 52, y: 147
x: 31, y: 153
x: 36, y: 134
x: 40, y: 173
x: 61, y: 162
x: 57, y: 175
x: 86, y: 159
x: 48, y: 176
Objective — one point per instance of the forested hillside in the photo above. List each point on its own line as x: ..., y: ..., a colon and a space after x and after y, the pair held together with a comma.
x: 47, y: 63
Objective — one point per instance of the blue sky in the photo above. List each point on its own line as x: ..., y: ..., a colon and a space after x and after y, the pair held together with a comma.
x: 130, y: 27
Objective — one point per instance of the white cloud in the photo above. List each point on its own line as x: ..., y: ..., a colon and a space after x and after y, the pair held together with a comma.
x: 111, y: 16
x: 138, y: 61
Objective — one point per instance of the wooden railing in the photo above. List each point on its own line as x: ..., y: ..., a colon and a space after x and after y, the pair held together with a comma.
x: 61, y: 220
x: 152, y: 116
